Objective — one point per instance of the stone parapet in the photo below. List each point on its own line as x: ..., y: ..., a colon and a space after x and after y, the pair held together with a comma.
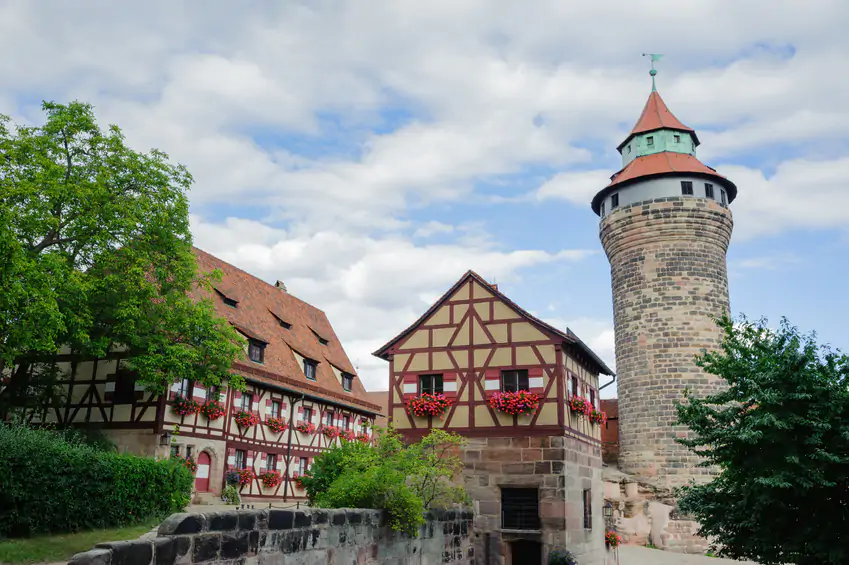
x: 669, y: 278
x: 310, y: 536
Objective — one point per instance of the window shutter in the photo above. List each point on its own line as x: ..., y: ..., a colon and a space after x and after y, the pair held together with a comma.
x: 300, y: 413
x: 449, y: 385
x: 492, y: 380
x: 410, y: 385
x: 536, y: 380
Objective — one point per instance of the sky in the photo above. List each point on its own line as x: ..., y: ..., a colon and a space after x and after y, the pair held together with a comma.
x: 369, y: 153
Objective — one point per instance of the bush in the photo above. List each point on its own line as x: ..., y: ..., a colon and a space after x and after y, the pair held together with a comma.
x: 404, y: 480
x: 49, y: 485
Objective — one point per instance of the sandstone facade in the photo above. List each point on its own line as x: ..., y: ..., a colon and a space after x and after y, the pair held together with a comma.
x: 669, y: 278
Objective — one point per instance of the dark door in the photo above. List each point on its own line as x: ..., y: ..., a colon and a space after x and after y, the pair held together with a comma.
x: 526, y: 552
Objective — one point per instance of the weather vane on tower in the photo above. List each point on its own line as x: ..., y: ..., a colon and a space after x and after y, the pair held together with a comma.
x: 653, y: 72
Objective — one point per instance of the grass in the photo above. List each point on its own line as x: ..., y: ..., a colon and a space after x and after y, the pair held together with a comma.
x: 52, y: 549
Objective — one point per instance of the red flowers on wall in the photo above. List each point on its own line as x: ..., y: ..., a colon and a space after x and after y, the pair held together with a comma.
x: 276, y: 424
x: 515, y: 403
x: 246, y: 477
x: 428, y: 405
x: 612, y: 539
x: 348, y: 435
x: 305, y: 427
x: 330, y: 432
x: 246, y: 419
x: 597, y: 417
x: 363, y: 438
x: 270, y: 479
x: 298, y: 480
x: 580, y: 405
x: 185, y: 406
x: 212, y: 409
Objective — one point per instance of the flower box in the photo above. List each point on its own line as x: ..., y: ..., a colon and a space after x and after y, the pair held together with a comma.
x: 597, y: 417
x: 428, y: 405
x: 330, y: 432
x: 246, y: 477
x: 363, y: 438
x: 185, y: 406
x: 276, y: 424
x: 348, y: 435
x: 270, y: 479
x: 305, y: 427
x: 212, y: 409
x: 580, y: 405
x: 246, y: 419
x: 516, y: 403
x: 299, y: 481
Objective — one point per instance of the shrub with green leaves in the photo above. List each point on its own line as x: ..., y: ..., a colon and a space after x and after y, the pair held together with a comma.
x: 402, y: 479
x: 50, y: 484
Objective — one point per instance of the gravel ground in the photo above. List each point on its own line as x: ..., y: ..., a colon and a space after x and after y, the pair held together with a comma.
x: 634, y: 555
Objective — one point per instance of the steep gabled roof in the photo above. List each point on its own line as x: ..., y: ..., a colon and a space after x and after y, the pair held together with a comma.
x: 568, y: 336
x: 259, y: 306
x: 657, y: 116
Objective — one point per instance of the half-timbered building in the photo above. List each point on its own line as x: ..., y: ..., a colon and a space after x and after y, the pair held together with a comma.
x: 302, y: 395
x: 525, y: 395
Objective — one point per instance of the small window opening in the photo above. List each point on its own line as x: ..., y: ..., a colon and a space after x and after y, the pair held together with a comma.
x: 346, y: 422
x: 328, y: 418
x: 275, y: 408
x: 347, y: 382
x: 256, y: 351
x: 307, y: 415
x: 430, y: 384
x: 271, y: 461
x: 241, y: 459
x: 708, y: 190
x: 513, y: 381
x: 677, y: 138
x: 722, y: 196
x: 247, y: 400
x: 602, y: 208
x: 614, y: 201
x: 574, y: 386
x: 687, y: 188
x: 310, y: 369
x: 520, y: 509
x: 588, y: 509
x: 650, y: 141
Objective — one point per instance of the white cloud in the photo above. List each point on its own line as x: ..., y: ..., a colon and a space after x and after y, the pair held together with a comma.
x: 576, y: 187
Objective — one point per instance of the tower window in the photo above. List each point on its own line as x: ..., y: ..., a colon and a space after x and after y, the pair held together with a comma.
x: 614, y: 201
x: 687, y: 187
x: 588, y: 509
x: 722, y: 196
x: 650, y: 141
x: 629, y: 149
x: 602, y: 208
x: 430, y: 384
x: 708, y: 190
x: 677, y: 138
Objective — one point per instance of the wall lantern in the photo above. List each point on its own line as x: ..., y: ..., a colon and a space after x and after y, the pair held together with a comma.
x: 607, y: 512
x: 165, y: 439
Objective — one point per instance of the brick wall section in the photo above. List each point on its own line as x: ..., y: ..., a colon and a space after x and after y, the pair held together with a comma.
x: 610, y: 431
x: 272, y: 537
x: 561, y: 468
x: 669, y: 276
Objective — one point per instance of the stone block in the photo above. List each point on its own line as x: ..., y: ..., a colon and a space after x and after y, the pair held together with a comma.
x: 222, y: 521
x: 302, y: 519
x: 182, y: 524
x: 164, y: 551
x: 206, y: 547
x: 234, y: 545
x: 92, y: 557
x: 248, y: 519
x: 280, y: 519
x: 136, y: 552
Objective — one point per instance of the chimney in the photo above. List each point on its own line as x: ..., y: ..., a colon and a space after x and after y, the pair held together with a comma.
x: 281, y: 285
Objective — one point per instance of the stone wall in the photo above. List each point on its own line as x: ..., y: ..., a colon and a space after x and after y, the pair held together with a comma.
x: 669, y: 277
x: 561, y: 468
x: 283, y: 537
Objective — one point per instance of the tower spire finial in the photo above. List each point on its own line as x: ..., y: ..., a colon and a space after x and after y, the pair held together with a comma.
x: 653, y: 72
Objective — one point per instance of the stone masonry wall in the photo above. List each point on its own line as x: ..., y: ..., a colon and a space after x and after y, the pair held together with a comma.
x: 669, y: 276
x: 287, y: 537
x: 561, y: 468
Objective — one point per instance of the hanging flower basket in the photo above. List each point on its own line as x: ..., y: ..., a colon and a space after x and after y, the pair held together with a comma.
x: 276, y: 424
x: 299, y: 481
x: 580, y: 405
x: 246, y: 477
x: 363, y: 438
x: 597, y: 417
x: 305, y: 427
x: 188, y: 462
x: 270, y: 479
x: 212, y: 409
x: 428, y: 405
x: 612, y: 539
x: 246, y: 419
x: 520, y: 402
x: 185, y: 406
x: 330, y: 432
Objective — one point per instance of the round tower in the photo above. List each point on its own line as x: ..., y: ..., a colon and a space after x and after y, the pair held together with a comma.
x: 665, y: 227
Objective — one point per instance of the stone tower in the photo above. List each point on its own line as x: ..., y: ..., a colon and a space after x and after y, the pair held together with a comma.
x: 665, y: 226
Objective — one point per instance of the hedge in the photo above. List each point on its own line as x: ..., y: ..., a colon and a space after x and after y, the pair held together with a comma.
x: 50, y: 484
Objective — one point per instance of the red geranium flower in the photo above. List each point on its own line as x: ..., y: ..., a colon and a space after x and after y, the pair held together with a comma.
x: 519, y: 402
x: 428, y: 405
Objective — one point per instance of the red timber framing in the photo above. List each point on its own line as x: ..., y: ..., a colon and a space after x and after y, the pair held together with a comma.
x: 470, y: 337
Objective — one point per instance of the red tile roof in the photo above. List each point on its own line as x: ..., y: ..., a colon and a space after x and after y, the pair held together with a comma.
x: 252, y: 316
x: 656, y: 116
x: 659, y: 163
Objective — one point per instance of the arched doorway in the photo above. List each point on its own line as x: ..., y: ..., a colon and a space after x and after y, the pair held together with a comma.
x: 202, y: 477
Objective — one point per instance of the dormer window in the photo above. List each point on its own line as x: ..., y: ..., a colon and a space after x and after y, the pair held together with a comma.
x: 256, y: 351
x: 229, y: 300
x: 677, y: 138
x: 321, y: 340
x: 281, y: 321
x: 310, y: 367
x: 650, y: 141
x: 347, y: 381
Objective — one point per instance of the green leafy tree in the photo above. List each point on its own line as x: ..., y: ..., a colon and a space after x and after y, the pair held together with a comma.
x: 779, y: 439
x: 403, y: 479
x: 95, y: 255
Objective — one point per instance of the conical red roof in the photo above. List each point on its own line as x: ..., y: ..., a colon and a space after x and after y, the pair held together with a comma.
x: 656, y: 116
